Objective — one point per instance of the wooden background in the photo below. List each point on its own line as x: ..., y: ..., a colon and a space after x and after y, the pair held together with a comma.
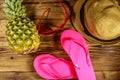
x: 105, y: 58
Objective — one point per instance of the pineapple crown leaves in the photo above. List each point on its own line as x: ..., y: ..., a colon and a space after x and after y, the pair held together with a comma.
x: 13, y: 9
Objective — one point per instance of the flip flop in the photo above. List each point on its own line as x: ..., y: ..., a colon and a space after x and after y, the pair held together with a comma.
x: 75, y: 46
x: 50, y: 67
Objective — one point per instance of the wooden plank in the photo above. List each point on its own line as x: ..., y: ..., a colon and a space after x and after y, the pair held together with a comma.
x: 105, y: 75
x: 35, y: 10
x: 101, y: 61
x: 35, y: 13
x: 108, y: 75
x: 19, y: 76
x: 42, y: 1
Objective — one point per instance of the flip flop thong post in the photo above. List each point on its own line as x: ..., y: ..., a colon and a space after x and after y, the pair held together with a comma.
x: 51, y: 67
x: 75, y: 46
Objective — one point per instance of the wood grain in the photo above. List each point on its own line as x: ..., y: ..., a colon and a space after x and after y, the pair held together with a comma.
x: 107, y: 75
x: 105, y: 58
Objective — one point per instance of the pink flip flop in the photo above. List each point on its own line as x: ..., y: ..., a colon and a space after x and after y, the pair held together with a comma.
x: 76, y: 47
x: 50, y: 67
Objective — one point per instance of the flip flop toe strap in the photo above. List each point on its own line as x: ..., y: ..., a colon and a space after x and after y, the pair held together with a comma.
x: 86, y: 52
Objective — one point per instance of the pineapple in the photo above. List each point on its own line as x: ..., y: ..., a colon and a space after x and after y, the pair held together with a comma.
x: 21, y: 32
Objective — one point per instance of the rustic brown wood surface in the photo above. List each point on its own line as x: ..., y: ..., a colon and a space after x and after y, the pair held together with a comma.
x: 105, y: 58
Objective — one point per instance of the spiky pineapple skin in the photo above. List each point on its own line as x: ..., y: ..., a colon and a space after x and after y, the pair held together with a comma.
x: 22, y: 35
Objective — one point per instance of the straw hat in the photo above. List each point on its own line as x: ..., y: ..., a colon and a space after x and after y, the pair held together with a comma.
x: 97, y: 20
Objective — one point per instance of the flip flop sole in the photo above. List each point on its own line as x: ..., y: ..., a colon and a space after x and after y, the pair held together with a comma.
x: 76, y: 47
x: 50, y: 67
